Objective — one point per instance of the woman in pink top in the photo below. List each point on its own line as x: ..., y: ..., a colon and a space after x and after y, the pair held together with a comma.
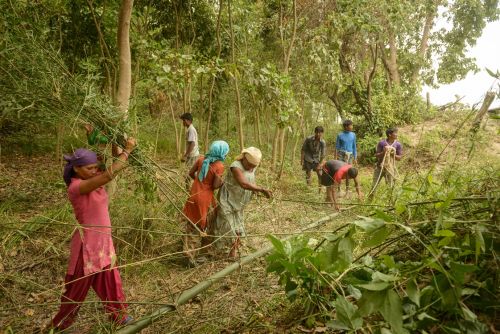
x: 92, y: 250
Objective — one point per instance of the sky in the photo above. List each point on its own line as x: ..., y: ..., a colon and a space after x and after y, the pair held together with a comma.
x: 487, y: 54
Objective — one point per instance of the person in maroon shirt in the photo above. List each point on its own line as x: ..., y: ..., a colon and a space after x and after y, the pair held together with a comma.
x: 333, y: 172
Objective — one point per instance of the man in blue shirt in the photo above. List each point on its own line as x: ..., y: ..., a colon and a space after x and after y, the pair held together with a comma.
x: 345, y: 149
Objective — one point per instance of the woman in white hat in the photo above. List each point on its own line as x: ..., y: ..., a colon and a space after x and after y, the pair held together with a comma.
x: 234, y: 196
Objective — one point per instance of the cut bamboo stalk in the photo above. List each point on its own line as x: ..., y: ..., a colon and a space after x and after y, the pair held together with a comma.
x: 149, y: 319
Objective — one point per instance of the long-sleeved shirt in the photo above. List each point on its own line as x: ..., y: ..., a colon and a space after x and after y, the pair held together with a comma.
x: 346, y: 141
x: 312, y: 154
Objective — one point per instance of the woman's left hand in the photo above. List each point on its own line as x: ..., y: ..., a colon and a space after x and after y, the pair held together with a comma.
x: 130, y: 144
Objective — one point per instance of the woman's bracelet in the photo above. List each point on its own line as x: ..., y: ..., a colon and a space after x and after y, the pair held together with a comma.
x: 262, y: 189
x: 126, y: 155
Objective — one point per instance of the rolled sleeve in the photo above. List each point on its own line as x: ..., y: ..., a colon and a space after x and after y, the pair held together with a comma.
x: 304, y: 145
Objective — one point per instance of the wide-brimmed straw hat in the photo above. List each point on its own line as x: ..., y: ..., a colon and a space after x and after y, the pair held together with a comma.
x: 252, y: 154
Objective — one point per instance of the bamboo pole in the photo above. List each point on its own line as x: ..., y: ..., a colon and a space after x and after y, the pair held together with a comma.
x: 149, y: 319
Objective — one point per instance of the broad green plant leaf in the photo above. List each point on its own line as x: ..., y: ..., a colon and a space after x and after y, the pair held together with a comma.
x: 462, y: 268
x: 374, y: 286
x: 383, y: 216
x: 392, y: 311
x: 377, y: 239
x: 388, y: 261
x: 381, y: 277
x: 277, y: 267
x: 346, y: 313
x: 412, y: 291
x: 277, y: 244
x: 337, y: 325
x: 369, y: 302
x: 289, y: 266
x: 370, y: 226
x: 444, y: 233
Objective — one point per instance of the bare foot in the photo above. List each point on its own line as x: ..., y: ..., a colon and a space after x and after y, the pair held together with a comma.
x: 232, y: 253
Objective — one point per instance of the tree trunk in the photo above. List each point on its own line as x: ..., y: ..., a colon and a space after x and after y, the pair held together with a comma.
x: 281, y: 143
x: 257, y: 118
x: 200, y: 112
x: 235, y: 73
x: 428, y: 96
x: 177, y: 146
x: 221, y: 4
x: 283, y: 160
x: 268, y: 124
x: 290, y: 46
x: 125, y: 63
x: 299, y: 126
x: 488, y: 99
x: 423, y: 42
x: 275, y: 147
x: 390, y: 63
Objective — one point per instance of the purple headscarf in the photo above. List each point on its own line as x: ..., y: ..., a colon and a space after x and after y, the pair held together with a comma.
x: 82, y: 157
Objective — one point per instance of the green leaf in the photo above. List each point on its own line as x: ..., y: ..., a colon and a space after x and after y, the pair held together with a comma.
x: 444, y: 233
x: 337, y: 325
x: 424, y: 315
x: 388, y: 261
x: 377, y: 238
x: 383, y: 216
x: 369, y: 302
x: 444, y: 242
x: 374, y: 286
x: 276, y: 267
x: 333, y: 237
x: 380, y: 277
x: 400, y: 208
x: 392, y: 311
x: 277, y: 244
x: 289, y: 266
x: 274, y: 256
x: 468, y: 315
x: 345, y: 248
x: 346, y: 313
x: 370, y: 226
x: 113, y: 261
x: 412, y: 291
x: 462, y: 268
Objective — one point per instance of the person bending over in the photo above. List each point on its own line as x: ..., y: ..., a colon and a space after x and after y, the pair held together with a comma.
x: 234, y: 196
x: 333, y: 172
x: 312, y: 155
